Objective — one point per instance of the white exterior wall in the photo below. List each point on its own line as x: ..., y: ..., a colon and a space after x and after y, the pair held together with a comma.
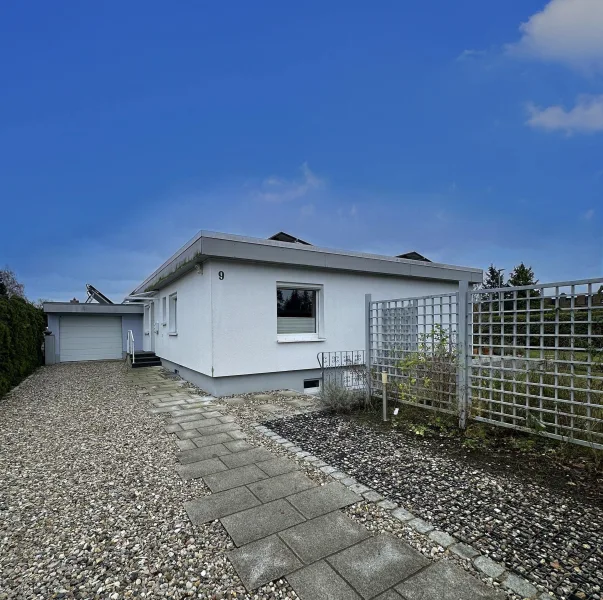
x: 244, y: 313
x: 191, y: 347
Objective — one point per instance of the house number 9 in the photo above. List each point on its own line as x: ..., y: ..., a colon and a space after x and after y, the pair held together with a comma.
x: 220, y: 275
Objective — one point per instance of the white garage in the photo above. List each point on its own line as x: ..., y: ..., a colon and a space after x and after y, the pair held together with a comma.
x: 90, y: 337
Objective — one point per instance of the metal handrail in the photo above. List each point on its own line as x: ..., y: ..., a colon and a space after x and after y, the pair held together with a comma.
x: 130, y: 344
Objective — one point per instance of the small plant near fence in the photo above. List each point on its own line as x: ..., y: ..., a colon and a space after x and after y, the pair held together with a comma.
x: 345, y: 381
x: 336, y: 398
x: 429, y: 376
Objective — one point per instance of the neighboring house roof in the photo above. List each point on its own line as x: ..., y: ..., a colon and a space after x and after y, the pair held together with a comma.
x: 207, y: 245
x: 413, y: 256
x: 283, y: 236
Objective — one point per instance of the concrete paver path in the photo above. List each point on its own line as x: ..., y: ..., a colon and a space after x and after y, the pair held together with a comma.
x: 284, y: 524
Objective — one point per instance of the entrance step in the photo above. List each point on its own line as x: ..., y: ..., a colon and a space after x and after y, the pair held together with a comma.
x: 145, y: 359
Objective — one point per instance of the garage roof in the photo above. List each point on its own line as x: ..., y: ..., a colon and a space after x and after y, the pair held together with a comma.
x: 92, y: 309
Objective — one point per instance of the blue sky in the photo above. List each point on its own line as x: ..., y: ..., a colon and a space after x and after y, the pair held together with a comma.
x: 469, y: 131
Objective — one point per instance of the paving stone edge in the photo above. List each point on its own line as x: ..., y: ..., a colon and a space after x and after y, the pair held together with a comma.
x: 483, y: 563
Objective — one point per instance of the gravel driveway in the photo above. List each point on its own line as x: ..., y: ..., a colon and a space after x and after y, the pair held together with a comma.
x: 90, y: 503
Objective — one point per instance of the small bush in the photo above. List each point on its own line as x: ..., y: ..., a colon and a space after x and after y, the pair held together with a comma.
x: 338, y: 399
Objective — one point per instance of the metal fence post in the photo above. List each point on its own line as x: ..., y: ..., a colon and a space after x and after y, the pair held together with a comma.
x: 367, y: 344
x: 384, y: 382
x: 463, y: 347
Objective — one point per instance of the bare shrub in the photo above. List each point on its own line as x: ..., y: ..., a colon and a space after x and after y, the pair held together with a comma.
x: 336, y: 398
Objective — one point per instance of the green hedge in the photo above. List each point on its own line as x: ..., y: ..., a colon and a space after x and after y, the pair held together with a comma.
x: 21, y: 336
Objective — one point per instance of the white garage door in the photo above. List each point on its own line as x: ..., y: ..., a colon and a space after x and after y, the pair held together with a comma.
x: 90, y: 338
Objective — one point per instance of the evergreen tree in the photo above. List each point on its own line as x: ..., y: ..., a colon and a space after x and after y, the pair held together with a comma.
x: 493, y: 278
x: 522, y: 275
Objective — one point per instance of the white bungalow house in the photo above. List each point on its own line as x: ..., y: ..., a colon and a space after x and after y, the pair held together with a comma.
x: 236, y: 314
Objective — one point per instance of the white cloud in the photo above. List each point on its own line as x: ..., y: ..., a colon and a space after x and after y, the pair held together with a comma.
x: 585, y: 117
x: 569, y: 32
x: 277, y: 190
x: 470, y: 53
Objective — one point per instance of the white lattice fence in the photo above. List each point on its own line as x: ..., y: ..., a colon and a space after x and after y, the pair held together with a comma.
x: 537, y: 361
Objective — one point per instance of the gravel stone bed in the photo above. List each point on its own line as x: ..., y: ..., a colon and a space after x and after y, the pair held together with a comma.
x: 90, y: 503
x: 551, y: 539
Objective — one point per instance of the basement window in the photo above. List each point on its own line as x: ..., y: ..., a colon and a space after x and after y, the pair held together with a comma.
x: 311, y: 384
x: 173, y: 315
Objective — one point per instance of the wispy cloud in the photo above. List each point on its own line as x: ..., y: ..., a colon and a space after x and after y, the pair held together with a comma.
x: 469, y: 54
x: 568, y: 32
x: 585, y: 117
x: 588, y: 215
x: 278, y: 190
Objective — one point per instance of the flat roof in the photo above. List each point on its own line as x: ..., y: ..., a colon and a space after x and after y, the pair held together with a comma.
x: 92, y: 309
x: 208, y: 244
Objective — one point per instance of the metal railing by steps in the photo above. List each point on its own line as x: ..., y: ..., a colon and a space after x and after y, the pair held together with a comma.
x: 141, y: 358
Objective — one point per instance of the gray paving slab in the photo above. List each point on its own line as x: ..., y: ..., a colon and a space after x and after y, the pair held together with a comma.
x: 201, y: 468
x: 204, y: 453
x: 186, y: 418
x: 197, y: 405
x: 172, y: 428
x: 219, y: 482
x: 324, y: 499
x: 199, y: 423
x: 392, y: 595
x: 446, y: 581
x: 170, y: 402
x: 255, y: 523
x: 324, y: 535
x: 212, y: 414
x: 319, y: 581
x: 237, y: 434
x: 376, y: 564
x: 263, y: 561
x: 185, y: 445
x: 210, y: 440
x: 222, y: 504
x: 227, y: 419
x: 221, y: 428
x: 247, y: 457
x: 162, y: 409
x: 281, y: 486
x: 262, y: 397
x: 234, y: 401
x: 238, y: 445
x: 190, y: 412
x: 188, y: 435
x: 278, y: 466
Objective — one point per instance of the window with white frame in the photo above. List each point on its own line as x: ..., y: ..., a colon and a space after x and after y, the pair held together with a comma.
x: 173, y: 314
x: 164, y: 311
x: 296, y: 310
